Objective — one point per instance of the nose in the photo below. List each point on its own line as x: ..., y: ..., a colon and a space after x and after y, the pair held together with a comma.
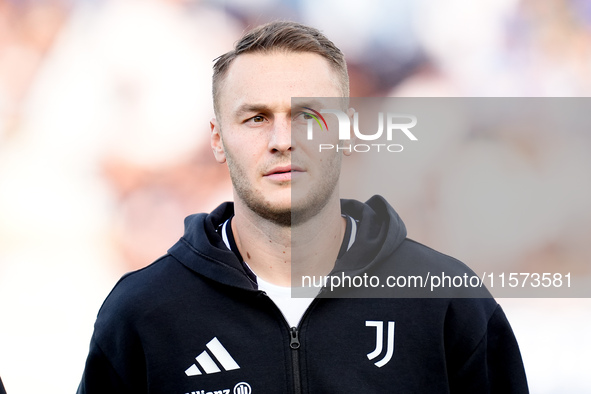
x: 280, y: 140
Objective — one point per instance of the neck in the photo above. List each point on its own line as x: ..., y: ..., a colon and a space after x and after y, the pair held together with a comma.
x: 282, y: 254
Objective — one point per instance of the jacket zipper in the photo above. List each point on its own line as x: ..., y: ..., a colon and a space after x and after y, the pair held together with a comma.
x: 294, y: 344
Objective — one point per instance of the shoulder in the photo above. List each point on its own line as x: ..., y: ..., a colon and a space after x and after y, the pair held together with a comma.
x: 140, y: 294
x: 422, y: 256
x: 430, y: 274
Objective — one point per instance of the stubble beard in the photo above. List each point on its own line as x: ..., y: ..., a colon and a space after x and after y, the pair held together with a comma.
x: 308, y: 205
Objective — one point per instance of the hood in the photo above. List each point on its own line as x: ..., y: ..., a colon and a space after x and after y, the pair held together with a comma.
x: 202, y: 249
x: 380, y: 232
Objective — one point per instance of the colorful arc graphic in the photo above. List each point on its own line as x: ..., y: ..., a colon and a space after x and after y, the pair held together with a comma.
x: 317, y: 115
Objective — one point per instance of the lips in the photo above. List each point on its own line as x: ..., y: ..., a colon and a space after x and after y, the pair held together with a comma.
x: 283, y: 170
x: 283, y: 173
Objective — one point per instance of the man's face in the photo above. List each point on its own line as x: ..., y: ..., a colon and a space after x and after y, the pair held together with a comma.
x: 274, y: 174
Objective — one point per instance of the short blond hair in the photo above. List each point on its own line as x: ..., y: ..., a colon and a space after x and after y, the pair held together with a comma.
x: 282, y: 36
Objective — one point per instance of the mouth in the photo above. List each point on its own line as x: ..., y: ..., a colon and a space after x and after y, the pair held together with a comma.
x: 283, y: 173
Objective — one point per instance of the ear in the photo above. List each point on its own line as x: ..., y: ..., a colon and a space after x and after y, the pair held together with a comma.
x: 348, y: 144
x: 217, y: 144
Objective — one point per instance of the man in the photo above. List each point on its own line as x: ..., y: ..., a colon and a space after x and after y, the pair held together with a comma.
x: 215, y: 314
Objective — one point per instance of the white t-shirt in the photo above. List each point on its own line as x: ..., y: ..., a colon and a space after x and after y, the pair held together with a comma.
x: 285, y: 297
x: 293, y: 308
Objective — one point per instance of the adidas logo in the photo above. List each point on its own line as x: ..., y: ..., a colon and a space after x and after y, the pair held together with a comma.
x: 206, y: 362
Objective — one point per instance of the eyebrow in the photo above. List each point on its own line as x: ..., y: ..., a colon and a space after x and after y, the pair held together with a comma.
x: 300, y: 104
x: 250, y: 108
x: 263, y: 108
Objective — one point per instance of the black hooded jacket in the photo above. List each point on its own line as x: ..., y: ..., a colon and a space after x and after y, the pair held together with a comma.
x: 194, y: 322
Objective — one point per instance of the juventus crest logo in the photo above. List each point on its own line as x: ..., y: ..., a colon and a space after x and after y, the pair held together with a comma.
x: 379, y: 325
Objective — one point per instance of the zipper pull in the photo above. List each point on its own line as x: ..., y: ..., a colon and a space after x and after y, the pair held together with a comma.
x: 295, y: 339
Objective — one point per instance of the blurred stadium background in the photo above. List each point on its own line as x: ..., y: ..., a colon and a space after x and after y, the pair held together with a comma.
x: 104, y: 110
